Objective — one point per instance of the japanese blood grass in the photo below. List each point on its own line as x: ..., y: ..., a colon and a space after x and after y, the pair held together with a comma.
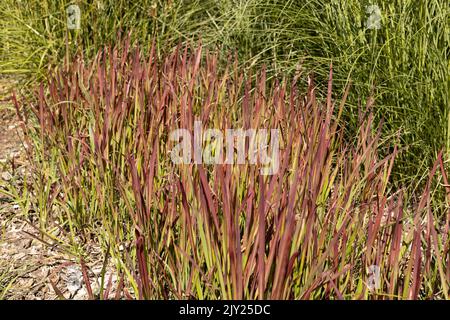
x: 101, y: 129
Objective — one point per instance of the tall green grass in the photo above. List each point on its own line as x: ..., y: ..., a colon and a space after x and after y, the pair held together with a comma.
x: 102, y: 168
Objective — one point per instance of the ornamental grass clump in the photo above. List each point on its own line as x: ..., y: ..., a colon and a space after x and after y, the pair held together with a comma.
x: 325, y: 224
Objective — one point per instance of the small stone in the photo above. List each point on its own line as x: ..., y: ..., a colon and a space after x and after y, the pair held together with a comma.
x: 74, y: 280
x: 6, y: 176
